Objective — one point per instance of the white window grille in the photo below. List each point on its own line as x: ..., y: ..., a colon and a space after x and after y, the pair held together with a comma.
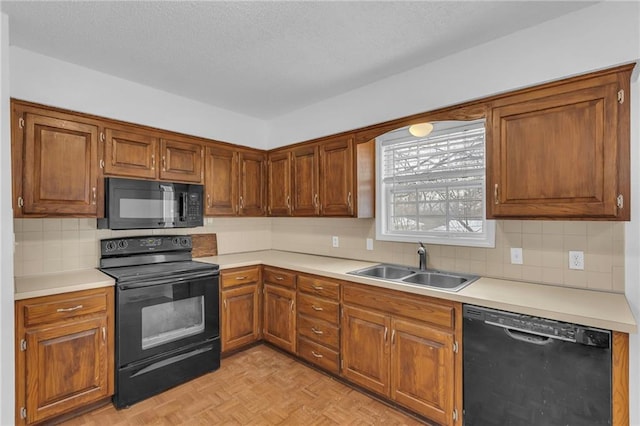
x: 432, y: 188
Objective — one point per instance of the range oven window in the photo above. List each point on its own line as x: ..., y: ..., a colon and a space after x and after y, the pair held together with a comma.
x: 171, y: 321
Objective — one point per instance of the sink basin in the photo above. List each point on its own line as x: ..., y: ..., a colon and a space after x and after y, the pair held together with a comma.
x: 390, y: 272
x: 405, y: 275
x: 435, y: 279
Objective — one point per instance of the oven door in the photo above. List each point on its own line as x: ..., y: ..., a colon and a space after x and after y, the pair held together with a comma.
x: 159, y: 316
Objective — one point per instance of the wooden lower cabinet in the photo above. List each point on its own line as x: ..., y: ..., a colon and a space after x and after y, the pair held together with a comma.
x: 279, y: 319
x: 397, y: 347
x: 240, y: 307
x: 64, y: 353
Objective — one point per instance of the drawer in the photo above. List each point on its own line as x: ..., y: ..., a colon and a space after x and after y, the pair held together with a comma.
x: 322, y: 287
x: 319, y: 331
x: 317, y: 307
x: 319, y: 355
x: 239, y: 276
x: 50, y: 309
x: 280, y: 277
x: 435, y: 311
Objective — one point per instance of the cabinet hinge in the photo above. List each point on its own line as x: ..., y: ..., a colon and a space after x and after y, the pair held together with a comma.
x: 341, y: 364
x: 20, y: 202
x: 23, y: 345
x: 101, y: 163
x: 21, y: 123
x: 455, y: 414
x: 620, y: 201
x: 455, y: 347
x: 621, y: 96
x: 23, y: 413
x: 102, y: 137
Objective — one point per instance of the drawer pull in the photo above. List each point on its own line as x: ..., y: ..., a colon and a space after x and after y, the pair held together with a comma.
x: 278, y: 278
x: 241, y: 278
x: 316, y: 331
x: 317, y: 308
x: 75, y: 308
x: 317, y: 287
x: 316, y: 354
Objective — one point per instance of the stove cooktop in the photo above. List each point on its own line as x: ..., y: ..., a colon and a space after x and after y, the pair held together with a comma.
x: 158, y: 270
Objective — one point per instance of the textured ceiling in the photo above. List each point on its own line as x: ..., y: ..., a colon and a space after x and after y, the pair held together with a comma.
x: 264, y: 58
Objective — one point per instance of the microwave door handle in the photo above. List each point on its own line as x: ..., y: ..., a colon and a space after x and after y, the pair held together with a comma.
x: 167, y: 205
x: 184, y: 198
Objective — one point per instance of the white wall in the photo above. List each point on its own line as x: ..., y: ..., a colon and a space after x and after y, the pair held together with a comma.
x: 49, y: 81
x: 7, y: 392
x: 592, y: 38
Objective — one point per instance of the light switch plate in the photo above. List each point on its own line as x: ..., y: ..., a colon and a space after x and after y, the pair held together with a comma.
x: 369, y: 243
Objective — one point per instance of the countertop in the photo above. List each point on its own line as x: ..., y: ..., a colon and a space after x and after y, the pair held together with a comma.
x: 63, y: 282
x: 592, y: 308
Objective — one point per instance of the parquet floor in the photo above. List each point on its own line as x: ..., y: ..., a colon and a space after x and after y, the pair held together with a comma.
x: 259, y: 386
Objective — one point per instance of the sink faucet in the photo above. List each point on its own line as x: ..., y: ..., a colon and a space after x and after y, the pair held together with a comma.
x: 422, y: 253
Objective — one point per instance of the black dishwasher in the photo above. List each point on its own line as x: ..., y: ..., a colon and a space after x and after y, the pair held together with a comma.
x: 523, y: 370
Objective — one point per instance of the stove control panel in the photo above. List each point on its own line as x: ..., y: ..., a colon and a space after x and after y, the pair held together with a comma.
x: 145, y: 244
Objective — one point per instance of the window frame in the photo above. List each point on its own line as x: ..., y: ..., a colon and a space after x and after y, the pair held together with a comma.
x: 486, y: 239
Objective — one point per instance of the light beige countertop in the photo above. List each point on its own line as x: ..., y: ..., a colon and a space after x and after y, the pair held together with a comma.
x: 63, y: 282
x: 592, y: 308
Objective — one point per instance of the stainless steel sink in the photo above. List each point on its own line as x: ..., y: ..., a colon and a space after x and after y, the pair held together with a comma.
x: 390, y: 272
x: 442, y: 280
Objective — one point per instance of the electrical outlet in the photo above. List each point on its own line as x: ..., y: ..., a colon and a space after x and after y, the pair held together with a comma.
x: 576, y: 260
x: 369, y: 243
x: 335, y: 241
x: 516, y: 256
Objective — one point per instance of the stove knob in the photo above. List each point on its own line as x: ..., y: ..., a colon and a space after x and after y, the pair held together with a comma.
x: 110, y: 246
x: 184, y: 242
x: 175, y: 241
x: 122, y: 244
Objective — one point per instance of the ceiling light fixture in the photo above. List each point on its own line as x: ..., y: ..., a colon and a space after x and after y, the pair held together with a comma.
x: 421, y: 129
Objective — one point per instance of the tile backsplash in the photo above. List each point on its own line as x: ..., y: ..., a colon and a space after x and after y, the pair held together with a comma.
x: 54, y: 245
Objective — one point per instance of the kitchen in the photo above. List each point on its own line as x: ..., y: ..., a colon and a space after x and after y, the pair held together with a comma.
x: 542, y: 63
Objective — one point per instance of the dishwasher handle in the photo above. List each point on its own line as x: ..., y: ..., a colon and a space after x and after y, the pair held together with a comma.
x: 544, y: 338
x: 522, y: 336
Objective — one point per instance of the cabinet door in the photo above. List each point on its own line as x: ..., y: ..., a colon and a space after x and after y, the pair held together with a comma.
x: 422, y: 369
x: 240, y: 317
x: 555, y: 156
x: 280, y: 317
x: 60, y: 166
x: 66, y: 366
x: 252, y: 184
x: 365, y: 348
x: 130, y: 154
x: 336, y: 178
x: 279, y: 184
x: 305, y: 181
x: 181, y: 161
x: 221, y: 182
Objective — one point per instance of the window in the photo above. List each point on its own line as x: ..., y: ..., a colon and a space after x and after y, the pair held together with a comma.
x: 432, y: 188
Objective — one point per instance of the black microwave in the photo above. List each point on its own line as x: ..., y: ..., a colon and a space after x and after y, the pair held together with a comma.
x: 145, y: 204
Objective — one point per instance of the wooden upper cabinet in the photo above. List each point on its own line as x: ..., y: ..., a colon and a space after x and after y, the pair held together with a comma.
x: 140, y: 153
x: 131, y: 154
x: 279, y: 183
x: 305, y: 177
x: 234, y: 182
x: 221, y: 181
x: 336, y: 178
x: 181, y: 161
x: 561, y: 150
x: 55, y: 164
x: 252, y: 185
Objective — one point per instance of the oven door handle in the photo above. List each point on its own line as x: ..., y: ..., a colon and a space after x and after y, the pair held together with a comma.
x: 175, y: 279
